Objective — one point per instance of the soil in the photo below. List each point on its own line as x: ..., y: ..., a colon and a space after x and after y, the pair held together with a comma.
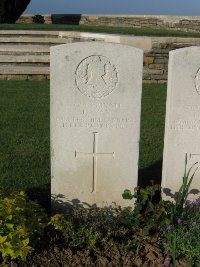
x: 151, y: 256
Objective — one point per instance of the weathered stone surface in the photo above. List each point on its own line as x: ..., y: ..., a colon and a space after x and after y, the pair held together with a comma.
x: 3, y: 77
x: 159, y: 77
x: 17, y: 77
x: 182, y: 128
x: 11, y: 69
x: 152, y: 71
x: 150, y: 81
x: 95, y: 121
x: 37, y: 77
x: 148, y: 59
x: 24, y: 59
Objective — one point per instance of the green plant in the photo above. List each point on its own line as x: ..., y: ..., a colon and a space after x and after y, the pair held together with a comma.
x: 145, y: 208
x: 91, y: 228
x: 38, y: 19
x: 177, y: 207
x: 73, y: 236
x: 21, y: 225
x: 178, y: 213
x: 183, y: 237
x: 148, y: 217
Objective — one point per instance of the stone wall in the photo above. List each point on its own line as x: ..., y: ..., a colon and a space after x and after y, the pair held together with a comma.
x: 183, y: 23
x: 156, y: 59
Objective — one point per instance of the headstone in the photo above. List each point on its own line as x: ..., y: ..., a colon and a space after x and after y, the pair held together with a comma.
x: 95, y: 121
x: 182, y: 127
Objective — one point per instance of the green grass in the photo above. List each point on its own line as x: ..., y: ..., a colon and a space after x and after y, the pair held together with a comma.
x: 152, y: 132
x: 99, y: 29
x: 25, y: 135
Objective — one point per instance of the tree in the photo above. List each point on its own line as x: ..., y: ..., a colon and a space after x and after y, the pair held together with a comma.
x: 11, y: 10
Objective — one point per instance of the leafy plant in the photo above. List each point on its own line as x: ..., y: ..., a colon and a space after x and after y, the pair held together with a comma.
x: 178, y: 213
x: 183, y: 237
x: 91, y: 228
x: 148, y: 216
x: 21, y: 225
x: 38, y: 19
x: 146, y: 209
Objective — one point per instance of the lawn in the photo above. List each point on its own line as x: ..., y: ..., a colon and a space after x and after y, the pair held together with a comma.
x: 25, y: 135
x: 99, y: 29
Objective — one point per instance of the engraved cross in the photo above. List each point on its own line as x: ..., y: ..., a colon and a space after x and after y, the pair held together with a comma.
x: 95, y: 154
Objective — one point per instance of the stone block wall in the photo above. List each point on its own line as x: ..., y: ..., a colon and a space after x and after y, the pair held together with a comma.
x: 182, y: 23
x: 156, y: 59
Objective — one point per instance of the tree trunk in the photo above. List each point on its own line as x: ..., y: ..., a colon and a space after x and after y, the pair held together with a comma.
x: 11, y: 10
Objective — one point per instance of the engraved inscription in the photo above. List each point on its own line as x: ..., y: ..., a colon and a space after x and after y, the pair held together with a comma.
x: 96, y: 76
x: 197, y: 81
x: 98, y: 123
x: 95, y: 154
x: 186, y: 124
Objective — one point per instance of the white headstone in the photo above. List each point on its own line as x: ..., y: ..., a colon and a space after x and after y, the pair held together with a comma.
x: 95, y: 121
x: 182, y: 126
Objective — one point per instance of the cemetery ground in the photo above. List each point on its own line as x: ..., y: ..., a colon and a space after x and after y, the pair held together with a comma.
x: 100, y: 29
x: 88, y: 237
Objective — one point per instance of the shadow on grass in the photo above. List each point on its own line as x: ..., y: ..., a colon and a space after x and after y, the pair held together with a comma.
x: 152, y: 173
x: 41, y: 195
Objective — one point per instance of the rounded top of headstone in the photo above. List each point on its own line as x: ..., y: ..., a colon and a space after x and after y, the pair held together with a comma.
x: 96, y: 76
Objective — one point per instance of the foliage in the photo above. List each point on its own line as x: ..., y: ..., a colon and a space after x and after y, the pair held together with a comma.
x: 38, y: 19
x: 148, y: 215
x: 177, y: 223
x: 183, y: 237
x: 183, y: 223
x: 21, y: 225
x: 146, y: 209
x: 91, y: 228
x: 177, y: 207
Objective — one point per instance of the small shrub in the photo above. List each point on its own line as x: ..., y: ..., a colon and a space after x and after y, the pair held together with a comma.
x: 38, y: 19
x: 147, y: 213
x: 91, y: 228
x: 21, y: 225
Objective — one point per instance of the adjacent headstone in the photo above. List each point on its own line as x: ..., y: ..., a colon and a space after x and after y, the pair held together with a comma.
x: 182, y: 128
x: 95, y: 121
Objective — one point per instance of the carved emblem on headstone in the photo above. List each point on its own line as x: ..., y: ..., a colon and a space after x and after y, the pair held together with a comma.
x: 96, y: 76
x: 197, y: 81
